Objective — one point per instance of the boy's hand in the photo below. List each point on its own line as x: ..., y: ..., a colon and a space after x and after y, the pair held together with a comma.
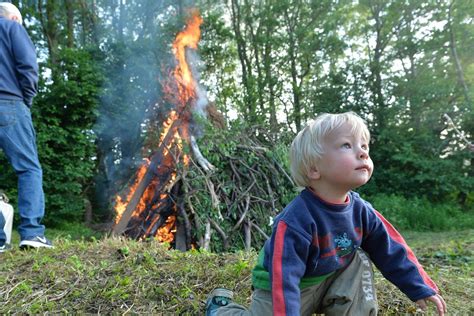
x: 439, y: 302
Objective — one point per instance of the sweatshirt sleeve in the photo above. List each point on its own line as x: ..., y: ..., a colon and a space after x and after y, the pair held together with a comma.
x: 397, y: 262
x: 287, y: 265
x: 25, y: 62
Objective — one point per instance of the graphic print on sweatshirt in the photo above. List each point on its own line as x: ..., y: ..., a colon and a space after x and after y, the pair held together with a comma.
x: 343, y: 245
x: 339, y: 246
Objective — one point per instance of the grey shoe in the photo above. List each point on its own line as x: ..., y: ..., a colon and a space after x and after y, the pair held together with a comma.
x: 35, y: 242
x: 217, y: 299
x: 5, y: 247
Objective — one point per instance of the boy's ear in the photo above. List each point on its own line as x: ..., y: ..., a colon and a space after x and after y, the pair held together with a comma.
x: 314, y: 173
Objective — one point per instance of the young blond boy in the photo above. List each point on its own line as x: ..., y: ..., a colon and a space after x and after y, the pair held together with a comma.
x: 317, y: 259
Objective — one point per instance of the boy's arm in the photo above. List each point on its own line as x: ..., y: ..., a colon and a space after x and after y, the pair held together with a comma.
x: 397, y: 262
x: 287, y: 265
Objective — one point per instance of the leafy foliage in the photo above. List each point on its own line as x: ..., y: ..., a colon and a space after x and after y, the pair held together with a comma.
x: 273, y: 65
x: 64, y: 113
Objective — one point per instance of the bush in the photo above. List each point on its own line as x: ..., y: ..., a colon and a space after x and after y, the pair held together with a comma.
x: 65, y: 112
x: 420, y: 214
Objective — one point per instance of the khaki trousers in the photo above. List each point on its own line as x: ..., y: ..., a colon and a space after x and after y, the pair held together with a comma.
x: 347, y: 292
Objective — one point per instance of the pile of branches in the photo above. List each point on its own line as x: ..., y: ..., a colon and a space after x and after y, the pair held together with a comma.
x: 231, y: 206
x: 224, y: 199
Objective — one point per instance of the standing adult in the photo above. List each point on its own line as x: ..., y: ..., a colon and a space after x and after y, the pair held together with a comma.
x: 18, y: 86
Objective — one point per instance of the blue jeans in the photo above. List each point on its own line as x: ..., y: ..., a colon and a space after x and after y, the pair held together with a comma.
x: 3, y: 237
x: 18, y: 141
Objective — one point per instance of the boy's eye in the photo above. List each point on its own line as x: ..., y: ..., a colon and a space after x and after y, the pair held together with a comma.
x: 346, y: 145
x: 365, y: 147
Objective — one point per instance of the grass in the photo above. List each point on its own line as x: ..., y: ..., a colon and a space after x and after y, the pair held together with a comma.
x: 118, y: 276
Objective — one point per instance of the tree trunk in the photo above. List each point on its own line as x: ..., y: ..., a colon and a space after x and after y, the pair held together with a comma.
x: 292, y: 55
x: 269, y: 79
x: 249, y: 110
x: 89, y: 22
x: 70, y: 23
x: 454, y: 54
x: 50, y: 30
x: 256, y: 51
x: 376, y: 87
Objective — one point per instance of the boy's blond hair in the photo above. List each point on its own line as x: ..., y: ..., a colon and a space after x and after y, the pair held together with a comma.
x: 307, y: 147
x: 7, y: 9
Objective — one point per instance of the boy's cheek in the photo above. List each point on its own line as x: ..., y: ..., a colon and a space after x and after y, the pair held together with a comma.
x: 371, y: 171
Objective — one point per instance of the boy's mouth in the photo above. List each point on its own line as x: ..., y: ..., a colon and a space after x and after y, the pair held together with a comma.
x: 364, y: 167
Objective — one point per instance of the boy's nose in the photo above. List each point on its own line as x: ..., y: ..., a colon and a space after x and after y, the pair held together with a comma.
x: 363, y: 154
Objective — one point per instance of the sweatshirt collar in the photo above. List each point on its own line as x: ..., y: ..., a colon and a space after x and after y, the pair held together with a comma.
x: 308, y: 193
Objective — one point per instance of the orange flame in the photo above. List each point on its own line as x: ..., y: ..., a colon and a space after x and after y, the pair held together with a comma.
x: 121, y: 204
x: 189, y: 37
x: 167, y: 231
x: 185, y: 85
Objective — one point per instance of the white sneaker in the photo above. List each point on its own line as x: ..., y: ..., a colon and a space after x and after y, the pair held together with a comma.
x: 5, y: 247
x: 36, y: 242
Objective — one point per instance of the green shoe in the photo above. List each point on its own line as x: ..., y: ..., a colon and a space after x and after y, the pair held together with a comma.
x: 217, y: 299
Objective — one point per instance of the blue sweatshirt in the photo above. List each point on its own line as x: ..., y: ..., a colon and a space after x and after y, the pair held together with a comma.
x: 312, y: 239
x: 18, y: 65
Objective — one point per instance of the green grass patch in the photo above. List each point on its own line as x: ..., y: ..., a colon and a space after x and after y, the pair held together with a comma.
x: 117, y: 276
x: 67, y: 231
x: 419, y: 214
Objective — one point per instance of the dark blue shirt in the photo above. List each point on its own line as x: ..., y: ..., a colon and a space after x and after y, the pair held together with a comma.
x: 312, y: 238
x: 18, y: 65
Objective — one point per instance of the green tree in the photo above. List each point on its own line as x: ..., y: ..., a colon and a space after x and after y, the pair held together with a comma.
x: 415, y: 152
x: 64, y: 115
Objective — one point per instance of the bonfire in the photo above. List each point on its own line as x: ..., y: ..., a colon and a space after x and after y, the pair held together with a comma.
x: 157, y: 204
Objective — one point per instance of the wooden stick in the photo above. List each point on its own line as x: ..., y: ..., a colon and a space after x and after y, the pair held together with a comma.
x: 242, y: 217
x: 469, y: 144
x: 259, y: 230
x: 252, y: 148
x: 248, y: 236
x: 221, y: 232
x: 207, y: 236
x: 203, y: 162
x: 155, y: 161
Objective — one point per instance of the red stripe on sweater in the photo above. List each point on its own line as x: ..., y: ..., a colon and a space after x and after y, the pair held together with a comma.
x: 331, y: 253
x: 279, y: 307
x: 395, y: 235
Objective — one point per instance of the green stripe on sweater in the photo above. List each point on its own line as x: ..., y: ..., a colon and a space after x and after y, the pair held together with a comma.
x: 261, y: 277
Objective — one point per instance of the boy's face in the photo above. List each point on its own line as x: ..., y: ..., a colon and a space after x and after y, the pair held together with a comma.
x: 345, y: 164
